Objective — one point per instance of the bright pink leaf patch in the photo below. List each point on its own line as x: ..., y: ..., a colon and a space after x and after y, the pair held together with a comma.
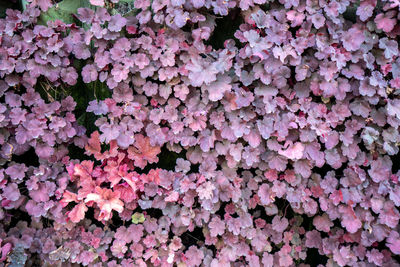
x: 78, y: 213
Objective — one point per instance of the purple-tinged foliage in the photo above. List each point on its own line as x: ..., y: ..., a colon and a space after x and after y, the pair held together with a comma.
x: 278, y: 145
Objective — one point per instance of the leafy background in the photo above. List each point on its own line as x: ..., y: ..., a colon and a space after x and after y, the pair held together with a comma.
x: 84, y: 93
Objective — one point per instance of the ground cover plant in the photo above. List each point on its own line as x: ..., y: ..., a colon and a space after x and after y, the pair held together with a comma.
x: 199, y: 133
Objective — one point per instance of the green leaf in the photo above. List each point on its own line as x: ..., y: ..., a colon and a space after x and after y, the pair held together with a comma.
x: 82, y: 119
x: 24, y: 3
x: 113, y: 12
x: 63, y: 11
x: 99, y: 90
x: 126, y: 8
x: 138, y: 218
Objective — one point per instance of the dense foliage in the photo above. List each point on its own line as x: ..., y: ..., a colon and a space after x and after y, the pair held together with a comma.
x: 200, y: 133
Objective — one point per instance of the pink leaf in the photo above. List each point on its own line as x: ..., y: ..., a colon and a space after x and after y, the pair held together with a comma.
x: 5, y: 250
x: 77, y: 213
x: 97, y: 2
x: 142, y: 152
x: 294, y: 152
x: 385, y: 22
x: 172, y: 197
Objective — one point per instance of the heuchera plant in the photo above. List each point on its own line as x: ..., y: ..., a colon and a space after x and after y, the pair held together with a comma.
x: 200, y: 133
